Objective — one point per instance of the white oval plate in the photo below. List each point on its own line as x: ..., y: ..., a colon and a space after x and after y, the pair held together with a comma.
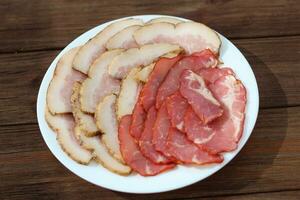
x: 179, y: 177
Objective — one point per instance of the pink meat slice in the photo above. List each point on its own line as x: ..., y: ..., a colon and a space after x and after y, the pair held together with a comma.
x: 177, y: 106
x: 133, y: 156
x: 187, y: 152
x: 195, y: 62
x: 210, y: 75
x: 161, y: 69
x: 145, y: 142
x: 194, y: 89
x: 138, y: 120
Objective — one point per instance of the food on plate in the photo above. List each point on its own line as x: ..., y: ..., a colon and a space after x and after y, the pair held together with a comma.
x: 191, y: 36
x: 107, y: 123
x: 63, y: 125
x: 155, y: 96
x: 98, y: 84
x: 135, y: 57
x: 132, y: 154
x: 93, y: 48
x: 60, y: 88
x: 83, y: 120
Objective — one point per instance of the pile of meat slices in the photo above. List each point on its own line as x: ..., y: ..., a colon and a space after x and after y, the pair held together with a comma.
x: 146, y: 96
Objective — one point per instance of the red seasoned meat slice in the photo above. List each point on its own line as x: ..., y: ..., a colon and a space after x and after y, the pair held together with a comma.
x: 161, y: 69
x: 210, y: 75
x: 132, y: 155
x: 138, y: 119
x: 187, y: 152
x: 195, y: 62
x: 145, y: 142
x: 177, y: 106
x: 194, y: 89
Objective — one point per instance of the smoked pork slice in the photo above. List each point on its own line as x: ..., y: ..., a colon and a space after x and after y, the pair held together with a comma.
x: 187, y: 152
x: 177, y: 106
x: 165, y: 19
x: 195, y: 62
x: 138, y: 57
x: 160, y: 71
x: 133, y: 156
x: 63, y: 125
x: 138, y: 120
x: 145, y: 141
x: 93, y: 48
x: 191, y: 36
x: 144, y: 73
x: 210, y: 75
x: 194, y: 89
x: 99, y: 83
x: 60, y: 89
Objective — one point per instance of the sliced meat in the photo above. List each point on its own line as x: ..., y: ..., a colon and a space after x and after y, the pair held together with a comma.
x: 145, y: 141
x: 129, y: 93
x: 138, y: 120
x: 135, y: 57
x: 194, y: 89
x: 187, y: 152
x: 101, y: 154
x: 60, y: 88
x: 170, y: 85
x: 177, y: 106
x: 210, y: 75
x: 99, y: 83
x: 63, y: 125
x: 165, y: 19
x: 83, y: 120
x: 132, y: 155
x: 160, y: 71
x: 192, y: 36
x: 107, y: 123
x: 123, y: 39
x: 144, y: 73
x: 93, y: 48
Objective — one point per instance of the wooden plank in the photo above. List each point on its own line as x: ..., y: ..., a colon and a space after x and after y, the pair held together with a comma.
x: 53, y: 24
x: 269, y: 162
x: 277, y: 73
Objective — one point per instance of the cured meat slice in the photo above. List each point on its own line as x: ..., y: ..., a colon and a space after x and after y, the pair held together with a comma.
x: 177, y: 106
x: 63, y: 125
x: 192, y: 36
x: 160, y: 71
x: 101, y: 154
x: 130, y: 89
x: 123, y: 39
x: 99, y: 83
x: 145, y: 141
x: 132, y: 155
x: 194, y: 89
x: 144, y: 73
x: 160, y: 131
x: 83, y: 120
x: 170, y: 85
x: 96, y: 46
x: 187, y: 152
x: 138, y: 119
x: 165, y: 19
x: 60, y: 88
x: 210, y: 75
x: 107, y: 123
x: 135, y: 57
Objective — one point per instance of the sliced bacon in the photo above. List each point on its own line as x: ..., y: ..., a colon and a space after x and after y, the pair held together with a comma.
x: 138, y: 119
x: 161, y: 69
x: 187, y: 152
x: 177, y: 106
x: 195, y: 62
x: 210, y: 75
x: 145, y: 141
x: 194, y: 89
x: 133, y: 156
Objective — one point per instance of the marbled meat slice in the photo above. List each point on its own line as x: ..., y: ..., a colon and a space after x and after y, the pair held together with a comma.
x: 195, y: 62
x: 133, y: 156
x: 177, y: 106
x: 187, y: 152
x: 145, y: 141
x: 194, y: 89
x: 160, y: 71
x: 138, y: 120
x: 210, y: 75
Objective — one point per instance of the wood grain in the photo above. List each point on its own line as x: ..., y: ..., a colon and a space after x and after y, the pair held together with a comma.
x: 269, y: 162
x: 53, y: 24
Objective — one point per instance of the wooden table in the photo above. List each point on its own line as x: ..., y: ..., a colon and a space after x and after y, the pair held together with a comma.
x: 268, y: 32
